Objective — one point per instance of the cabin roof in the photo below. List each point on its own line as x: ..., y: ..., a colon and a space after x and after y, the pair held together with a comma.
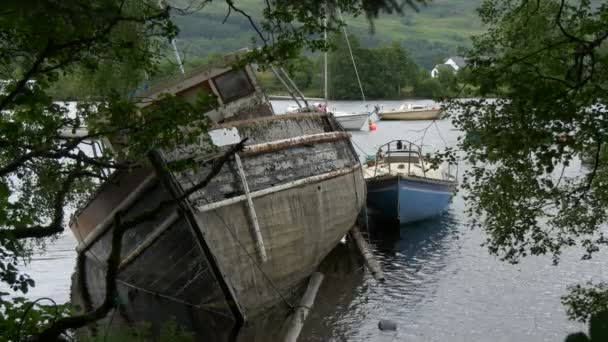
x: 201, y: 73
x: 460, y: 61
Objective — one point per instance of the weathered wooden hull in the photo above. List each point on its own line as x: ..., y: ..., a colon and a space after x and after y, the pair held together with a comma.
x: 430, y: 114
x: 200, y: 256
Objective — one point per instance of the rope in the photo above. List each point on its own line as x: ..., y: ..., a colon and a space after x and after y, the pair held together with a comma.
x: 360, y: 149
x: 351, y: 56
x: 173, y: 299
x: 439, y: 132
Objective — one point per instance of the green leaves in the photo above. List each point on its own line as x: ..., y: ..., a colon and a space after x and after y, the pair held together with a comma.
x: 539, y: 178
x: 22, y: 318
x: 551, y: 111
x: 584, y: 301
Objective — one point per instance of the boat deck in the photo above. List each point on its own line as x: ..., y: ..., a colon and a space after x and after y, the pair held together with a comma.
x: 403, y: 169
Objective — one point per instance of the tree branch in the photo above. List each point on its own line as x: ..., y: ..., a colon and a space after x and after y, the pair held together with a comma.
x: 249, y: 18
x: 558, y: 21
x: 56, y: 226
x: 26, y: 77
x: 78, y: 43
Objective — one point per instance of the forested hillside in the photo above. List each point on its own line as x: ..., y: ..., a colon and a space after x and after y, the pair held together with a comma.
x: 429, y: 35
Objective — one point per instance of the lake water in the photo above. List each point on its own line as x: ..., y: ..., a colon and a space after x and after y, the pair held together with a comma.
x: 442, y: 285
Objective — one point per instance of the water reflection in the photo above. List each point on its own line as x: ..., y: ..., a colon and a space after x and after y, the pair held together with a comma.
x: 410, y: 256
x: 343, y: 271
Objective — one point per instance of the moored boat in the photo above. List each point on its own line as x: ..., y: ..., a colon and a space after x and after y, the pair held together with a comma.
x: 351, y: 121
x: 245, y: 242
x: 348, y: 121
x: 402, y: 187
x: 409, y: 111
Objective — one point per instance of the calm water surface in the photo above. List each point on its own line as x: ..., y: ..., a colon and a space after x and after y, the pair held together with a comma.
x: 441, y: 284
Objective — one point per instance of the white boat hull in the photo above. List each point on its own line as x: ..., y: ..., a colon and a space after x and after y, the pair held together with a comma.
x: 424, y: 114
x: 352, y: 121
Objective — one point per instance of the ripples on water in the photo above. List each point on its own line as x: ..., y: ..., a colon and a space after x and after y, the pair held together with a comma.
x: 441, y: 284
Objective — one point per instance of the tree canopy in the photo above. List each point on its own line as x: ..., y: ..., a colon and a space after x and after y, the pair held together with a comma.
x: 546, y: 63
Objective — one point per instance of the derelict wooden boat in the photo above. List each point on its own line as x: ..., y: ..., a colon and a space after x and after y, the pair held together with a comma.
x: 242, y: 244
x: 401, y: 187
x: 412, y: 112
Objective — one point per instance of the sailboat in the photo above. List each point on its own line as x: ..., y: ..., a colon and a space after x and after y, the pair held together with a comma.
x: 350, y: 121
x: 402, y: 187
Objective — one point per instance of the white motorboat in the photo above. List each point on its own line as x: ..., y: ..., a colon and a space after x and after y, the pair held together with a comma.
x: 410, y: 111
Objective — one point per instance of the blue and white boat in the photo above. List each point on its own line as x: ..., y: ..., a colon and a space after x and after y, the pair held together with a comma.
x: 400, y: 186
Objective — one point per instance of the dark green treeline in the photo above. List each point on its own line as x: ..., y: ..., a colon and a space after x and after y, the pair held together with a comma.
x: 386, y: 72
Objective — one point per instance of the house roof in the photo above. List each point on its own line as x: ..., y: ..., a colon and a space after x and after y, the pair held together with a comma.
x: 438, y: 66
x: 458, y: 60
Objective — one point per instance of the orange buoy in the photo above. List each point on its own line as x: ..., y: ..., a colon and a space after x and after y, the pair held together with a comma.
x: 372, y: 126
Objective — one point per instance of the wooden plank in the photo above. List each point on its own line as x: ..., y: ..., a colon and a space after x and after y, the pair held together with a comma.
x: 149, y: 240
x: 270, y: 190
x: 259, y: 240
x: 104, y: 225
x: 282, y: 144
x: 267, y: 119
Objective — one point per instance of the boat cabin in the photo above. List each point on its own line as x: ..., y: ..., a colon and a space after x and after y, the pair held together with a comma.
x: 235, y: 88
x: 404, y: 158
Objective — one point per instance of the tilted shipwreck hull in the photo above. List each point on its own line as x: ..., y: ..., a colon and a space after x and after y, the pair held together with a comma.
x: 242, y: 244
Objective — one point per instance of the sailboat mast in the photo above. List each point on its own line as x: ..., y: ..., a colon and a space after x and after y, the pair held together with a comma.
x: 325, y: 78
x: 352, y: 57
x: 178, y: 58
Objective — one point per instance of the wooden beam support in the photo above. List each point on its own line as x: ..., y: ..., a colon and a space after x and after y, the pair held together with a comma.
x: 259, y: 240
x: 370, y: 260
x: 296, y: 320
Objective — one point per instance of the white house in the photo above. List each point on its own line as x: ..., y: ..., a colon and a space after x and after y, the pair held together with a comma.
x: 454, y: 62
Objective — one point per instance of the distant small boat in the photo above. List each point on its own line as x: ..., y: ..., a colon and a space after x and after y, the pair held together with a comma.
x: 400, y: 186
x: 351, y: 121
x: 409, y: 111
x: 348, y: 121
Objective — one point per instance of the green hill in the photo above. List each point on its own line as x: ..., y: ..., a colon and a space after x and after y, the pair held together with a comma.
x: 430, y: 35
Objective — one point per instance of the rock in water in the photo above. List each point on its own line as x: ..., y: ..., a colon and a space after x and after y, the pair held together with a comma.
x: 387, y: 325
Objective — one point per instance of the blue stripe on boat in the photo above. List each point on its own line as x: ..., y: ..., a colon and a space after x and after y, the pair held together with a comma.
x: 408, y: 200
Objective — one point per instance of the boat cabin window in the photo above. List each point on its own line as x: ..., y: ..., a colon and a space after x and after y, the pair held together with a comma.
x: 191, y: 94
x: 233, y: 85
